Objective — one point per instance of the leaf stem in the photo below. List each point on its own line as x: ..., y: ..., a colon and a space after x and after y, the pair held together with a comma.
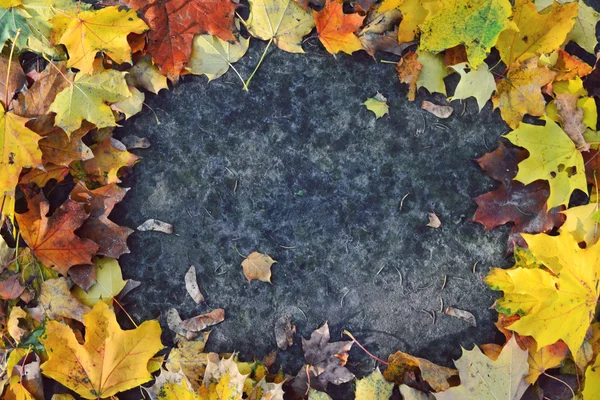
x: 363, y: 349
x: 10, y: 58
x: 247, y: 84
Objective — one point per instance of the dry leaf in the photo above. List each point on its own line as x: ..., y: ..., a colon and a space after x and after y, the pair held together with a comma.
x: 571, y: 117
x: 437, y: 110
x: 135, y: 142
x: 190, y: 328
x: 461, y: 314
x: 156, y: 225
x: 191, y: 285
x: 284, y: 332
x: 57, y: 301
x: 258, y: 266
x: 434, y: 221
x: 409, y: 70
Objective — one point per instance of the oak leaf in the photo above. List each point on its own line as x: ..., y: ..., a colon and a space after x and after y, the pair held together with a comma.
x: 87, y: 98
x: 283, y: 21
x: 86, y: 33
x: 52, y: 238
x: 552, y: 157
x: 258, y: 266
x: 556, y: 302
x: 520, y: 93
x: 535, y: 33
x: 336, y: 30
x: 483, y: 378
x: 478, y: 83
x: 109, y: 361
x: 374, y: 387
x: 174, y: 23
x: 474, y: 23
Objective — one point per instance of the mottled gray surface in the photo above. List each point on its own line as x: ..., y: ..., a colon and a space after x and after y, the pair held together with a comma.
x: 227, y: 169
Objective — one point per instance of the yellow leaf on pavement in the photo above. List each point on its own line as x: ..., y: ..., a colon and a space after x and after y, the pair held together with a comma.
x: 110, y: 360
x: 374, y: 387
x: 258, y: 266
x: 212, y: 56
x: 86, y: 33
x: 478, y: 83
x: 146, y: 75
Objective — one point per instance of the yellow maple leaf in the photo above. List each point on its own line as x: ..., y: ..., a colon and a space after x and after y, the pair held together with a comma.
x: 557, y: 303
x: 111, y: 360
x: 520, y: 93
x: 87, y: 98
x: 336, y: 30
x: 414, y: 13
x: 109, y: 283
x: 20, y: 149
x: 374, y: 387
x: 222, y: 379
x: 552, y: 157
x: 86, y: 33
x: 535, y: 34
x: 591, y: 389
x: 474, y: 23
x: 258, y: 266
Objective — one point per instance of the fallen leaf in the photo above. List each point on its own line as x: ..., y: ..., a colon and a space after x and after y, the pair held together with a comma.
x: 556, y: 302
x: 42, y: 177
x: 83, y: 276
x: 108, y: 362
x: 409, y: 393
x: 571, y: 119
x: 432, y: 73
x: 258, y: 266
x: 592, y: 381
x: 131, y: 105
x: 520, y: 92
x: 86, y: 33
x: 568, y: 67
x: 190, y: 328
x: 474, y: 23
x: 317, y: 395
x: 461, y: 314
x: 336, y: 30
x: 437, y: 110
x: 57, y: 301
x: 171, y: 385
x: 478, y: 83
x: 414, y: 13
x: 552, y: 157
x: 10, y: 288
x: 191, y: 285
x: 61, y: 150
x: 402, y: 367
x: 174, y: 23
x: 190, y: 358
x: 213, y: 57
x: 283, y: 21
x: 457, y: 55
x: 109, y: 283
x: 378, y: 105
x: 156, y: 225
x: 284, y: 332
x: 12, y: 326
x: 267, y: 390
x: 135, y: 142
x: 110, y: 156
x: 16, y: 77
x: 380, y: 32
x: 434, y: 221
x: 52, y: 239
x: 144, y: 74
x: 373, y: 387
x: 222, y: 379
x: 408, y: 70
x: 582, y: 223
x: 504, y: 377
x: 584, y: 30
x: 535, y: 33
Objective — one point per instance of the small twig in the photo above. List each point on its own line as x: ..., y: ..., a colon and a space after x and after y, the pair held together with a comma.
x: 380, y: 269
x: 402, y: 201
x: 441, y: 305
x: 445, y: 281
x: 363, y: 349
x: 475, y: 266
x: 431, y: 314
x: 343, y: 297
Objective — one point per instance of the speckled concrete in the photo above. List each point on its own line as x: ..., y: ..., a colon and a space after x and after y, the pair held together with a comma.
x: 299, y: 169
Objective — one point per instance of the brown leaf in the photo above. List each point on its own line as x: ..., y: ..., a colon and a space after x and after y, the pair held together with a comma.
x: 258, y: 266
x: 434, y: 221
x: 380, y: 32
x: 461, y: 314
x: 190, y: 328
x: 191, y: 285
x: 17, y: 79
x: 284, y: 332
x: 52, y: 239
x: 571, y: 117
x: 110, y: 156
x: 42, y: 177
x: 134, y: 142
x: 437, y: 110
x: 10, y: 288
x: 408, y: 70
x: 403, y: 369
x: 455, y: 55
x: 57, y: 148
x: 57, y: 301
x: 84, y: 276
x: 156, y: 225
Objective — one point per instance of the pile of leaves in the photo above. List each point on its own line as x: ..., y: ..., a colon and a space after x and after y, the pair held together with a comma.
x: 70, y: 71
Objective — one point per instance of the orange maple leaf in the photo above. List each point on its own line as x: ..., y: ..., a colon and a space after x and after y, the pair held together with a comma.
x: 336, y: 29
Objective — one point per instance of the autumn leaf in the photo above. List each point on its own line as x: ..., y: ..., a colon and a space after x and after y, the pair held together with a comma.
x: 401, y: 366
x: 87, y: 98
x: 414, y: 13
x: 13, y: 20
x: 552, y: 157
x: 41, y: 177
x: 174, y: 23
x: 16, y: 77
x: 86, y: 33
x: 535, y: 33
x: 556, y: 303
x: 591, y: 387
x: 57, y: 301
x: 377, y: 105
x: 483, y: 378
x: 582, y: 222
x: 433, y: 72
x: 282, y: 21
x: 52, y: 238
x: 171, y: 385
x: 131, y: 105
x: 336, y: 30
x: 408, y: 70
x: 380, y: 32
x: 258, y: 266
x: 520, y: 93
x: 110, y: 156
x: 222, y: 379
x: 584, y: 30
x: 213, y: 57
x: 568, y: 67
x: 20, y: 149
x: 189, y: 357
x: 478, y: 83
x: 192, y: 327
x: 108, y: 362
x: 374, y: 387
x: 144, y: 74
x: 523, y: 205
x: 474, y: 23
x: 109, y: 283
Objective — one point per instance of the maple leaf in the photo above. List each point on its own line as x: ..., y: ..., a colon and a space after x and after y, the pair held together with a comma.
x: 258, y: 266
x: 171, y: 385
x: 60, y: 149
x: 336, y: 30
x: 14, y: 24
x: 10, y: 288
x: 222, y: 379
x: 212, y: 56
x: 523, y: 205
x: 408, y: 70
x: 414, y: 13
x: 535, y: 33
x: 568, y: 67
x: 374, y: 387
x: 109, y: 361
x: 57, y: 301
x: 520, y: 93
x: 144, y: 74
x: 174, y: 23
x: 110, y: 156
x: 556, y: 303
x: 42, y: 177
x: 433, y: 72
x: 592, y: 381
x: 401, y: 366
x: 52, y: 239
x: 571, y: 118
x: 16, y: 77
x: 131, y: 105
x: 283, y: 21
x: 582, y: 223
x: 584, y: 30
x: 474, y: 23
x: 478, y: 83
x: 483, y: 378
x: 109, y: 283
x: 377, y: 105
x: 86, y: 98
x: 20, y: 149
x: 380, y: 32
x: 86, y: 33
x: 190, y: 358
x: 552, y: 157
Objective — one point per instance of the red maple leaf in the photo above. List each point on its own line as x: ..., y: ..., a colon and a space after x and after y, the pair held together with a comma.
x: 174, y: 23
x: 52, y: 238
